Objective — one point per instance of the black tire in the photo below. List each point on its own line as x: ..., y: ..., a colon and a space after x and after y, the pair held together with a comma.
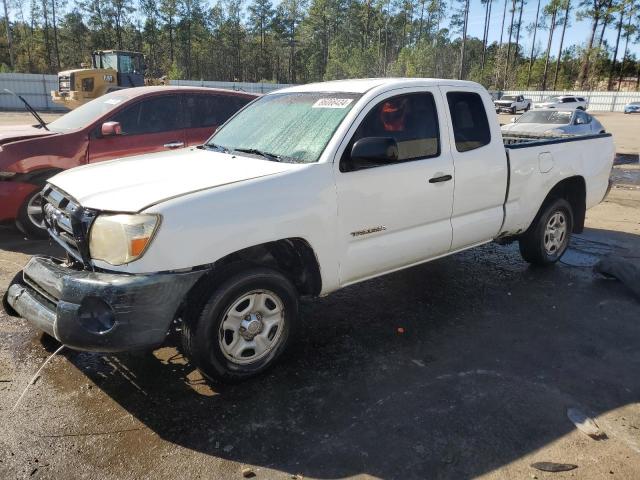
x: 533, y: 241
x: 526, y: 109
x: 514, y: 110
x: 25, y: 223
x: 202, y: 330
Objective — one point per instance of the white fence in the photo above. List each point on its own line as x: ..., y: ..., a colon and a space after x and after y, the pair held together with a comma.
x: 36, y: 89
x: 598, y: 101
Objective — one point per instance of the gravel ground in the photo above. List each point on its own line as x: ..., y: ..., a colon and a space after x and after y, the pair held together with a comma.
x: 492, y: 355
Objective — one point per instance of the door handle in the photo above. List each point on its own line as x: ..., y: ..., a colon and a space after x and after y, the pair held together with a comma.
x: 174, y: 145
x: 441, y: 178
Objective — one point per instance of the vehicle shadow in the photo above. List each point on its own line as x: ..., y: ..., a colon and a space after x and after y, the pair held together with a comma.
x: 447, y: 370
x: 12, y: 240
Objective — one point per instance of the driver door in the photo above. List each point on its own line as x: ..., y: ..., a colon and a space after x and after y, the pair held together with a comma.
x: 150, y: 125
x: 396, y: 214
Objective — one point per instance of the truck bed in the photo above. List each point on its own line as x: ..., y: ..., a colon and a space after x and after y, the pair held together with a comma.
x: 539, y: 162
x: 521, y: 139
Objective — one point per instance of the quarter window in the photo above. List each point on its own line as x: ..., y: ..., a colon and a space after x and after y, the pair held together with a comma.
x: 469, y: 119
x: 411, y: 120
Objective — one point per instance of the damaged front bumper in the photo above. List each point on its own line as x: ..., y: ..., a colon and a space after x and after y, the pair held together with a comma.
x: 94, y: 311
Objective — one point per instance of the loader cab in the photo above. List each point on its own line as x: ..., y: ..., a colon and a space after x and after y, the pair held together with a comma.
x: 129, y: 66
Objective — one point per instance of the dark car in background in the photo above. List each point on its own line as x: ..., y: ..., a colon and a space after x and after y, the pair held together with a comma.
x: 119, y: 124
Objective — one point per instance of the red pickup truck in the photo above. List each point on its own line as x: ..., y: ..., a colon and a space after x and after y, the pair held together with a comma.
x: 122, y: 123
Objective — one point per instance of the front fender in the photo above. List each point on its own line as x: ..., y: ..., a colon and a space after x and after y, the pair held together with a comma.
x: 202, y: 227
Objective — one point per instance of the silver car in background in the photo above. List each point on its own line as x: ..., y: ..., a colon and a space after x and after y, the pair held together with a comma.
x: 632, y: 107
x: 564, y: 102
x: 554, y: 122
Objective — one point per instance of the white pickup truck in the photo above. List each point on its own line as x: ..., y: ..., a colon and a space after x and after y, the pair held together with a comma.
x: 304, y: 191
x: 512, y: 104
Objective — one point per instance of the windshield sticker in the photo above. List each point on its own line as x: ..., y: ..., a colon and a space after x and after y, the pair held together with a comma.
x: 113, y: 101
x: 332, y: 103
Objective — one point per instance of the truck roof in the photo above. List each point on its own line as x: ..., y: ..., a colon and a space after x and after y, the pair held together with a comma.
x: 137, y: 91
x: 363, y: 85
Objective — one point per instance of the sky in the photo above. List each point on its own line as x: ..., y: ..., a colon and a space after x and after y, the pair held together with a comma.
x: 577, y: 32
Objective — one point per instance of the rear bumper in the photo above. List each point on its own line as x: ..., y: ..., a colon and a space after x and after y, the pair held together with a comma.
x: 99, y: 311
x: 12, y: 196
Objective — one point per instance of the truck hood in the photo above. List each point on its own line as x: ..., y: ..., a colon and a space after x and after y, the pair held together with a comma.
x: 530, y: 127
x: 131, y: 184
x: 504, y: 102
x: 14, y: 133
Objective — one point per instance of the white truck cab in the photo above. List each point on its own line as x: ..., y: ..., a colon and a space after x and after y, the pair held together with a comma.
x: 512, y: 104
x: 302, y: 192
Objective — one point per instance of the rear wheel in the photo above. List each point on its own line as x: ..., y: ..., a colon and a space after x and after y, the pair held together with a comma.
x: 243, y: 326
x: 548, y: 237
x: 30, y: 220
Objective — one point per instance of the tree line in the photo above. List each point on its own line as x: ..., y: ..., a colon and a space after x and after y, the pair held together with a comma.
x: 299, y: 41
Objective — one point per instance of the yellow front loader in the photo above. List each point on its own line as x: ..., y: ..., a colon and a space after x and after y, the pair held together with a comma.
x: 110, y: 70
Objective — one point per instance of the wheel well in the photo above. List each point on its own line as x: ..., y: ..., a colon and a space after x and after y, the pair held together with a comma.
x: 39, y: 177
x: 294, y: 257
x: 574, y: 191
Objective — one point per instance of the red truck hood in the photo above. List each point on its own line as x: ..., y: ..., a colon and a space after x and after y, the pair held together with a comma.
x: 13, y: 133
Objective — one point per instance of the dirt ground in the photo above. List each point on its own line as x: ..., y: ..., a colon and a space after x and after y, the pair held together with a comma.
x: 478, y: 385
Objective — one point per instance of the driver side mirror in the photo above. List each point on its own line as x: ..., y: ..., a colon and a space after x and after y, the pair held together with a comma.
x: 111, y: 129
x: 374, y: 150
x: 580, y: 121
x: 513, y: 119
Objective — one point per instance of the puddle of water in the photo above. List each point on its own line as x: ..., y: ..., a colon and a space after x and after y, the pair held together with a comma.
x: 626, y: 158
x: 585, y: 253
x: 576, y: 258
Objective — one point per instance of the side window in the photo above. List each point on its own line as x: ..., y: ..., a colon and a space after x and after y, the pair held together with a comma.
x: 128, y: 118
x: 582, y: 118
x: 411, y: 120
x: 211, y: 110
x: 568, y: 100
x: 470, y: 123
x: 154, y: 115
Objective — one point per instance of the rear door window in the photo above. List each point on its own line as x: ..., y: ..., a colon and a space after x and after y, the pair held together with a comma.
x: 152, y: 115
x: 469, y: 120
x: 568, y: 100
x: 211, y: 110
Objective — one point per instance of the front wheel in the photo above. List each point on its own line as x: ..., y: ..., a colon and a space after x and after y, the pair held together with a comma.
x: 30, y: 219
x: 548, y: 237
x: 244, y: 325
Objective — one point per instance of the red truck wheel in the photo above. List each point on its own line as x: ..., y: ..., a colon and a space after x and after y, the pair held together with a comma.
x: 30, y: 220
